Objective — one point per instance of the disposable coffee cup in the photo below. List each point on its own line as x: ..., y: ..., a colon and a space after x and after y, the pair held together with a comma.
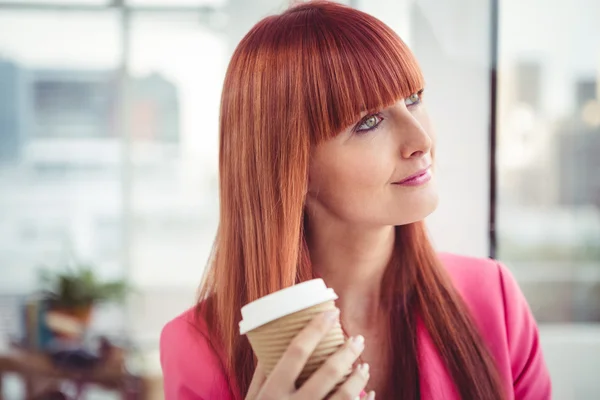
x: 272, y: 321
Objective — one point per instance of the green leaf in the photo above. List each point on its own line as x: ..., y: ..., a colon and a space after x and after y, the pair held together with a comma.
x: 77, y: 285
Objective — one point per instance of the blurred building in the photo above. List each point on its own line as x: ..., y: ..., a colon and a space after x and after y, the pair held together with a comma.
x: 72, y: 104
x: 526, y: 139
x: 81, y: 104
x: 155, y: 110
x: 529, y: 83
x: 12, y: 93
x: 577, y: 149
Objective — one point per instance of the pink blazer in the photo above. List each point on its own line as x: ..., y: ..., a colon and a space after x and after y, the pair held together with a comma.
x: 193, y: 371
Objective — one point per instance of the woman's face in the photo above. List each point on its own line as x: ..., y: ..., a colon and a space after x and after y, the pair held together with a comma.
x: 378, y: 171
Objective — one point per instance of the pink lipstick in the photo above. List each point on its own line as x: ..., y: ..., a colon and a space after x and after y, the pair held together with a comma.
x: 418, y: 179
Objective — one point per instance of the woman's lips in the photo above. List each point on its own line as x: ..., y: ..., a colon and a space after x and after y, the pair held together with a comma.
x: 420, y: 178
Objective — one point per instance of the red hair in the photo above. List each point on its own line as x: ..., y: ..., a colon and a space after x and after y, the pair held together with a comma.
x: 294, y: 81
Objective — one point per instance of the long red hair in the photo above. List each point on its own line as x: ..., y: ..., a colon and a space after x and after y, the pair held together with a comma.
x: 294, y: 81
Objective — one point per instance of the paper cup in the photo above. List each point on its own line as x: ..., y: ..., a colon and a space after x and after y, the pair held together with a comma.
x: 271, y: 323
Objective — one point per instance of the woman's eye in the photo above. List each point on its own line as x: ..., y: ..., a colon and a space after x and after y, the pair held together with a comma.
x: 369, y: 123
x: 413, y: 99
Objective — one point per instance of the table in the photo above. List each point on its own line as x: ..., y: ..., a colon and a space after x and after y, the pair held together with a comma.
x: 35, y: 368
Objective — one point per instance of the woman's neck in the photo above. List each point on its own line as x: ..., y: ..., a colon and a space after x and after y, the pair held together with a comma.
x: 352, y: 260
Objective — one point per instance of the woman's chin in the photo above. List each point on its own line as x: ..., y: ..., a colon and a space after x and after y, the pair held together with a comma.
x: 416, y: 211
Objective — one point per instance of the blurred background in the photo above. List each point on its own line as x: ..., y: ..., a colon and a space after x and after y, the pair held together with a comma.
x: 108, y: 165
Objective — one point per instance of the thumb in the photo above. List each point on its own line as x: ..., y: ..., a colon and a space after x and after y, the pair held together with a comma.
x: 257, y: 383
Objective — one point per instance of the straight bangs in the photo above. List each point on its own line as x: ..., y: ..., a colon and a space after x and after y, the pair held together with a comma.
x: 352, y: 64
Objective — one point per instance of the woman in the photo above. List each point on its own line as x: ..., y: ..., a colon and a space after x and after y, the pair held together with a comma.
x: 327, y: 169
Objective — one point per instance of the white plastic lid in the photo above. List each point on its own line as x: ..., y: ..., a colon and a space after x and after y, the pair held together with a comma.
x: 284, y: 302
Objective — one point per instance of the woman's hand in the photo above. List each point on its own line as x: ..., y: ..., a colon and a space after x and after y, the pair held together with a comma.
x: 280, y: 384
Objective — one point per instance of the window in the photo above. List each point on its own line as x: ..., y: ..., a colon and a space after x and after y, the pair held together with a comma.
x: 548, y: 219
x: 57, y: 122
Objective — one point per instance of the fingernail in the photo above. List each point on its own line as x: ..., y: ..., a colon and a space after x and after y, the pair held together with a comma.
x: 358, y: 341
x: 364, y: 368
x: 332, y: 315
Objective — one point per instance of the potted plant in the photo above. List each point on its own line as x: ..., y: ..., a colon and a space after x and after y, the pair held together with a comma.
x: 75, y: 290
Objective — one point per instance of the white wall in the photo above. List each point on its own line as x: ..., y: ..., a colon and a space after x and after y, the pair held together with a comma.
x: 451, y: 41
x: 573, y: 356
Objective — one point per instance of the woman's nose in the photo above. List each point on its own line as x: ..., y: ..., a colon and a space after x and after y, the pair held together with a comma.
x: 415, y: 141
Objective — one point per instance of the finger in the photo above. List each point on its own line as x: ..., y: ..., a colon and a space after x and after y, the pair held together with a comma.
x: 258, y: 381
x: 354, y: 385
x: 333, y: 370
x: 302, y: 346
x: 369, y: 396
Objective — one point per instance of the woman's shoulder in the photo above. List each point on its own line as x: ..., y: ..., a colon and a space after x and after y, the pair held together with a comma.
x: 466, y: 270
x: 485, y: 284
x: 192, y: 367
x: 504, y: 318
x: 487, y: 287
